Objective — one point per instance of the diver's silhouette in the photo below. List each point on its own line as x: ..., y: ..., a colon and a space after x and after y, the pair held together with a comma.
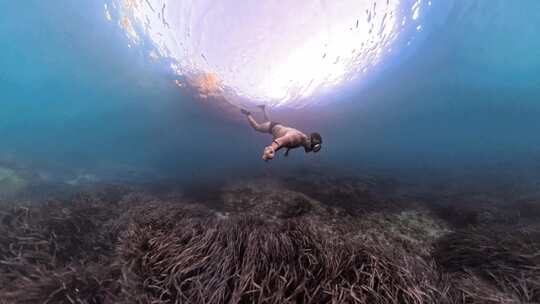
x: 283, y: 137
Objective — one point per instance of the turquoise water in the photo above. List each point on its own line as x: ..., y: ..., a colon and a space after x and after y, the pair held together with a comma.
x: 75, y: 100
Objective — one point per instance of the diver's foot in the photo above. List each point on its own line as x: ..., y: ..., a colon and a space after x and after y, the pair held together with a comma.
x: 245, y: 112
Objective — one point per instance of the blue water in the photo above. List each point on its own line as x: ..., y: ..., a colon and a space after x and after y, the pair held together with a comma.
x: 76, y: 100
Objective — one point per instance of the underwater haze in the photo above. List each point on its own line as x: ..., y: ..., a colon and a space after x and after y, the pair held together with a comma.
x: 129, y: 174
x: 464, y: 100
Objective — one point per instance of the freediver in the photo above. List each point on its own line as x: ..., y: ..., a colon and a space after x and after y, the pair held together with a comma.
x: 283, y: 136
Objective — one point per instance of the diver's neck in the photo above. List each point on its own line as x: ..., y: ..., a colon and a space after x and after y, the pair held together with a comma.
x: 307, y: 144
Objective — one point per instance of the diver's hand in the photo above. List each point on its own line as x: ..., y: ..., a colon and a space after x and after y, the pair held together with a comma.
x: 268, y: 153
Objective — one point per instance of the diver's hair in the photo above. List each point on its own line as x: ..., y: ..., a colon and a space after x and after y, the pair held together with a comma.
x: 316, y: 137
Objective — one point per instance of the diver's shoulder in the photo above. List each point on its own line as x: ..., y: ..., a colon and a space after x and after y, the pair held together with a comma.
x: 300, y: 133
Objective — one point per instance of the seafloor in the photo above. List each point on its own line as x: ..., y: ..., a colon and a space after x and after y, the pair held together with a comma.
x: 301, y: 238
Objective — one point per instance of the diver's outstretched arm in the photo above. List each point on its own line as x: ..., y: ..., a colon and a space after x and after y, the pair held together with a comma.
x: 289, y: 141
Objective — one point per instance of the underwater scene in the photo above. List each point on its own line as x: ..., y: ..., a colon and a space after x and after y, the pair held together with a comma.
x: 264, y: 151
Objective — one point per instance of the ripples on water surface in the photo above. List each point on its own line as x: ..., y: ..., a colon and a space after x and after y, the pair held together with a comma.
x: 269, y: 52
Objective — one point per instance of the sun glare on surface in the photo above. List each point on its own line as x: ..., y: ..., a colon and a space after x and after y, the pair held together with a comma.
x: 272, y: 52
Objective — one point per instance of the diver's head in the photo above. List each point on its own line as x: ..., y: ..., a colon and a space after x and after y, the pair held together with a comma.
x: 315, y: 142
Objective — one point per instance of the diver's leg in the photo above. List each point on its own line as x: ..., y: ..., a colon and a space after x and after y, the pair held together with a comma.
x: 261, y: 127
x: 265, y: 112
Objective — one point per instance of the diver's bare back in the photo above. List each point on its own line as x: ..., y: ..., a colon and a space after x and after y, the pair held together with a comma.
x: 288, y: 137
